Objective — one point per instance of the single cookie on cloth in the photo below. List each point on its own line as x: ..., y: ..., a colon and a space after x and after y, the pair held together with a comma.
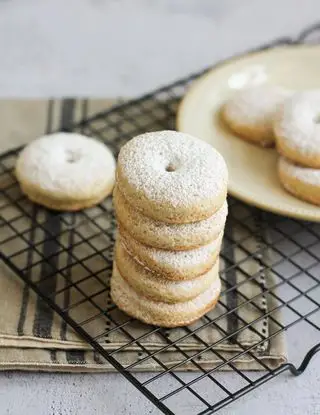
x: 66, y: 171
x: 173, y: 265
x: 156, y: 287
x: 168, y: 236
x: 172, y: 177
x: 250, y: 112
x: 297, y: 129
x: 302, y: 182
x: 160, y: 313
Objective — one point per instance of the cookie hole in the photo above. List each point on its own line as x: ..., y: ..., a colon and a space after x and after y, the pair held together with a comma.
x: 72, y: 156
x: 170, y: 168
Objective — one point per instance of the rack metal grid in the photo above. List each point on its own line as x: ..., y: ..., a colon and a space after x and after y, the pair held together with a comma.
x: 290, y: 238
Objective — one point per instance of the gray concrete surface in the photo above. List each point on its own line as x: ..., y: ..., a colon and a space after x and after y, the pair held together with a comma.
x: 123, y: 48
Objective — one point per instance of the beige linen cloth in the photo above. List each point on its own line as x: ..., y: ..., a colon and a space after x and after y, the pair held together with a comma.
x: 33, y: 337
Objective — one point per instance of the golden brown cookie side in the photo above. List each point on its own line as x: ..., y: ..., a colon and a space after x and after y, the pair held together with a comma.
x: 297, y: 184
x: 175, y: 265
x: 63, y: 205
x: 167, y: 236
x: 159, y: 313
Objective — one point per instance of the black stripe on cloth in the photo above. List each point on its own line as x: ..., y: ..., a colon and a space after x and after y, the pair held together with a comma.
x: 49, y: 121
x: 67, y: 114
x: 84, y: 112
x: 26, y: 289
x: 44, y: 314
x: 66, y: 296
x: 52, y: 227
x: 53, y: 356
x: 76, y: 357
x: 231, y: 278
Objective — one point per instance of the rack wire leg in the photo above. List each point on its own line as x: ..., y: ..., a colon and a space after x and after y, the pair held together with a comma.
x: 311, y: 353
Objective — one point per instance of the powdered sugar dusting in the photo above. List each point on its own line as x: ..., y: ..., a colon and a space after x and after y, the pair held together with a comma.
x: 153, y: 285
x: 304, y: 174
x: 173, y: 168
x: 298, y: 123
x: 255, y: 107
x: 178, y: 260
x: 121, y: 290
x: 66, y: 165
x: 182, y: 234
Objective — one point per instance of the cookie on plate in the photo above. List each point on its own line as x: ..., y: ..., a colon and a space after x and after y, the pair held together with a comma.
x: 302, y: 182
x: 250, y: 113
x: 297, y: 129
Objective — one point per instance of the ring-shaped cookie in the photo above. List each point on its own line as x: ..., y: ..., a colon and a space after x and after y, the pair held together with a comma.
x: 161, y: 313
x: 173, y: 265
x: 302, y: 182
x: 172, y: 177
x: 250, y: 113
x: 168, y: 236
x: 297, y: 129
x: 66, y: 171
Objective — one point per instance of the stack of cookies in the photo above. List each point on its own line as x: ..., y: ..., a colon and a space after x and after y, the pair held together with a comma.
x: 297, y: 133
x: 170, y: 203
x: 269, y: 115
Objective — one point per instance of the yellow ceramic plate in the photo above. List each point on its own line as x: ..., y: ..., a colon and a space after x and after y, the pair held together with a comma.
x: 252, y: 170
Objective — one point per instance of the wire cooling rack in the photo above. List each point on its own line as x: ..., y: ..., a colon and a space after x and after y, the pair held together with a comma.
x: 294, y: 245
